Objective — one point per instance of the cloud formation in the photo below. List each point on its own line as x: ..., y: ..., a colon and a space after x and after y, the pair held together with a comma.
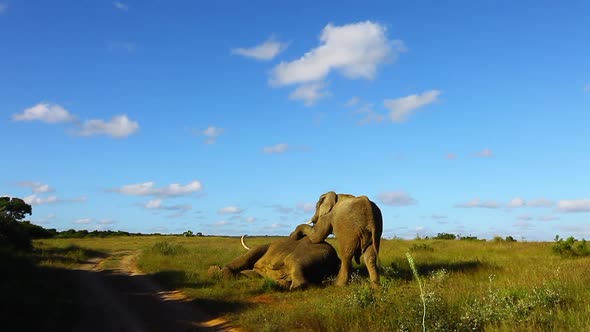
x: 265, y: 51
x: 485, y: 153
x: 36, y: 200
x: 121, y: 6
x: 118, y: 127
x: 355, y: 50
x: 574, y: 205
x: 45, y: 112
x: 477, y: 203
x: 279, y: 148
x: 150, y: 189
x: 37, y: 187
x: 396, y: 198
x: 232, y: 209
x: 309, y: 93
x: 3, y: 8
x: 212, y: 133
x: 401, y: 109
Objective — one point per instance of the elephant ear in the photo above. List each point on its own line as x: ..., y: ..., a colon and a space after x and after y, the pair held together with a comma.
x: 326, y: 203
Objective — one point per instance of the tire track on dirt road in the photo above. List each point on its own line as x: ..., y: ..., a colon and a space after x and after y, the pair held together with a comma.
x: 115, y: 296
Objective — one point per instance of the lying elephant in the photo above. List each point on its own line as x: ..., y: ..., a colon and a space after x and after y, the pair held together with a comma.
x: 292, y: 263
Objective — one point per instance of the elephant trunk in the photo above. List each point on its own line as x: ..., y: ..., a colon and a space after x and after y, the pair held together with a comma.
x: 243, y: 243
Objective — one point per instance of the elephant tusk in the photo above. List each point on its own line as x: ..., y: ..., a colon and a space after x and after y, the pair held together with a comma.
x: 243, y: 243
x: 310, y: 222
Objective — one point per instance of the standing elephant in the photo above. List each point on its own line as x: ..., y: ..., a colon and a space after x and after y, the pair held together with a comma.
x: 292, y: 263
x: 357, y: 224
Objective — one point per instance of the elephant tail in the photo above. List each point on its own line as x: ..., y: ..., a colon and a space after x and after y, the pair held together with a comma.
x: 378, y: 229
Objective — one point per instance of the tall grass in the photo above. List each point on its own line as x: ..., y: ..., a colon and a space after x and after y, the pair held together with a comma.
x: 467, y: 286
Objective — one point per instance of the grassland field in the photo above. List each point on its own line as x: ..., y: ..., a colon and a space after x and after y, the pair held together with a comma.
x: 467, y: 285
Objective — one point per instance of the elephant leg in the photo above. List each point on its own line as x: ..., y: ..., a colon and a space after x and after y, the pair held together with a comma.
x: 345, y: 269
x: 370, y: 257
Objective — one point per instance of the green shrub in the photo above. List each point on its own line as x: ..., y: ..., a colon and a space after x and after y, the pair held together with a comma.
x: 445, y: 236
x: 570, y: 247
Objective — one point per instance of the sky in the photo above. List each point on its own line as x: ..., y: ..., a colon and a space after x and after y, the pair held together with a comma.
x: 233, y: 117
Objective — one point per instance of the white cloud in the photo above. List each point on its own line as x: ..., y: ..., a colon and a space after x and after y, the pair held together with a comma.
x: 370, y: 116
x: 438, y: 217
x: 279, y: 148
x: 154, y: 204
x: 35, y: 200
x: 121, y: 6
x: 451, y: 156
x: 355, y: 50
x: 396, y: 198
x: 222, y: 223
x: 37, y: 187
x: 212, y: 133
x: 45, y: 112
x: 525, y: 218
x: 250, y: 219
x: 352, y: 101
x: 485, y: 153
x: 265, y: 51
x: 587, y: 88
x: 520, y: 202
x: 516, y: 202
x: 118, y: 127
x: 477, y: 203
x: 232, y: 209
x: 150, y: 189
x: 575, y: 205
x: 83, y: 221
x: 306, y: 207
x: 106, y: 221
x: 540, y: 202
x: 402, y: 108
x: 309, y: 93
x: 3, y: 8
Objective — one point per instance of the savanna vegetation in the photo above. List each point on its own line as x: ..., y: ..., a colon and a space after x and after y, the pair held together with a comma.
x: 497, y: 285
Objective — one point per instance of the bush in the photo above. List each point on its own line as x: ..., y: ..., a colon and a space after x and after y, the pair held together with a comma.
x: 570, y: 247
x: 445, y: 236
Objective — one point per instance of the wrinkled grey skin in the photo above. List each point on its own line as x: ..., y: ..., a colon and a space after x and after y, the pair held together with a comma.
x: 357, y: 224
x: 294, y: 264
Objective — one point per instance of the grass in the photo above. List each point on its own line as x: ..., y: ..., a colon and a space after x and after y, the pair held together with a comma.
x: 468, y: 285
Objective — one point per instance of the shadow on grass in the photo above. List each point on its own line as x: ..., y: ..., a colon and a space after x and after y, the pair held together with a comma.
x: 36, y: 298
x: 69, y: 255
x: 404, y: 272
x: 177, y: 279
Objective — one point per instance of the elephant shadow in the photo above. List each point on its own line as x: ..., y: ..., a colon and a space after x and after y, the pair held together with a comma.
x: 403, y: 271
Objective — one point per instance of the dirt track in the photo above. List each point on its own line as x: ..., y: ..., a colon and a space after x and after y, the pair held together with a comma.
x: 117, y: 297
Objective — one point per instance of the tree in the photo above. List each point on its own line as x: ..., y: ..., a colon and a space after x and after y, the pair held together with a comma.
x: 13, y: 234
x: 13, y: 209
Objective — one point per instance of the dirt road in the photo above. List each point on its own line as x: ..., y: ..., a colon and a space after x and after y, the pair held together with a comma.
x: 117, y: 297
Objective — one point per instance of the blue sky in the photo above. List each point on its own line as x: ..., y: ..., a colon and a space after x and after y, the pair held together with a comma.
x: 227, y: 117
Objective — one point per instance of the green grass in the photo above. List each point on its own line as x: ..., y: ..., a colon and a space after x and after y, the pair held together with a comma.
x: 468, y: 285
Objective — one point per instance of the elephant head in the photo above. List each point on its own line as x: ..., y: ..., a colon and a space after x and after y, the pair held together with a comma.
x: 324, y: 205
x: 357, y: 224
